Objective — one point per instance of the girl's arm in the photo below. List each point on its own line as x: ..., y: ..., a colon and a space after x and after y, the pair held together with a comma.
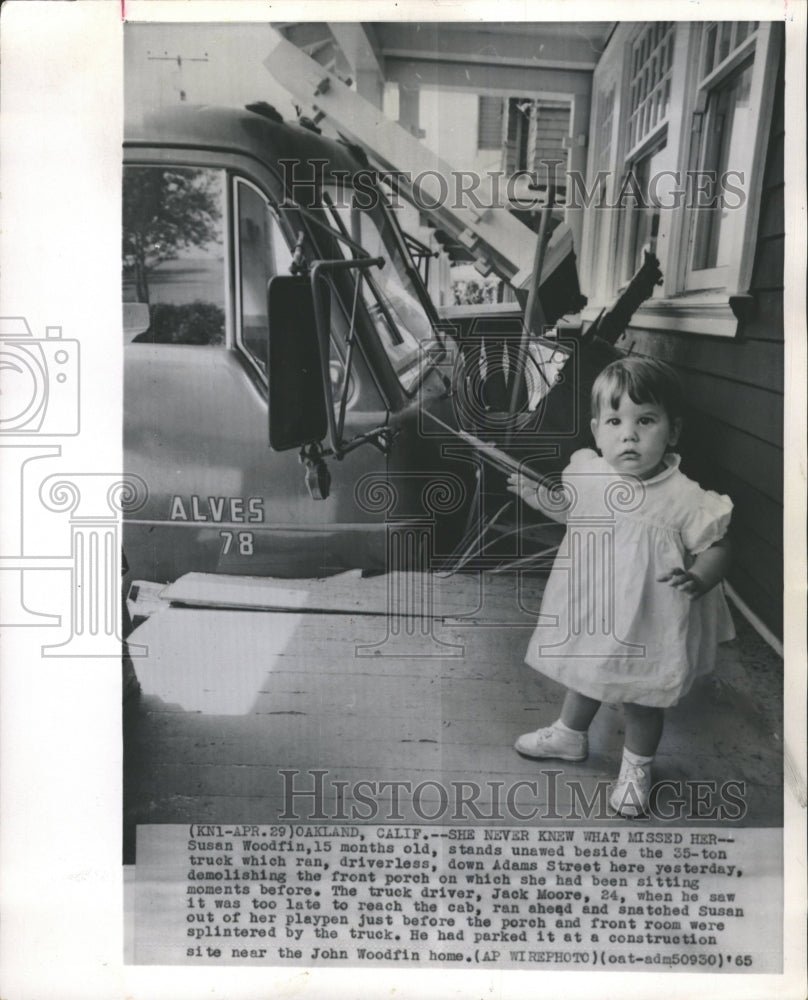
x: 549, y: 500
x: 708, y: 569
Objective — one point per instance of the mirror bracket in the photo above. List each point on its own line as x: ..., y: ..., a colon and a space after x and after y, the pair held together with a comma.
x: 380, y: 437
x: 318, y: 478
x: 313, y: 456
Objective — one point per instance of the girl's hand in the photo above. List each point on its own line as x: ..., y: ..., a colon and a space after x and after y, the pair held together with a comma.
x: 686, y: 583
x: 710, y: 568
x: 524, y: 488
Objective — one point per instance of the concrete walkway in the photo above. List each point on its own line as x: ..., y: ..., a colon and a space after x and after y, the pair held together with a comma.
x: 231, y: 698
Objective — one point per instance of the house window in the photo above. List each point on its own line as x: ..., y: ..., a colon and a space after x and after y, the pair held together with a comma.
x: 650, y: 85
x: 536, y: 139
x: 728, y: 143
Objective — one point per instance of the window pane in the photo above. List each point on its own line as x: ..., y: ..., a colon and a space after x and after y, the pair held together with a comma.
x: 709, y: 50
x: 641, y: 218
x: 722, y: 40
x: 730, y: 129
x: 725, y: 44
x: 263, y: 253
x: 173, y: 252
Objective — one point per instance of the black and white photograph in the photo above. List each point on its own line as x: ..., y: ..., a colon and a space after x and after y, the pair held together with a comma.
x: 403, y: 549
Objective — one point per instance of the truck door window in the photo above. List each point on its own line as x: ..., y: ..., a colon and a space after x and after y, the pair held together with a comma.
x: 262, y: 253
x: 173, y: 252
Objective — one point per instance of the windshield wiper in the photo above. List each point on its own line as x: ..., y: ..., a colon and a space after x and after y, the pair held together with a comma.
x: 339, y: 234
x: 395, y: 335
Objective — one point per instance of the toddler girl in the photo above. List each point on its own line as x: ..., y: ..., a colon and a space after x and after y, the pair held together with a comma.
x: 633, y: 610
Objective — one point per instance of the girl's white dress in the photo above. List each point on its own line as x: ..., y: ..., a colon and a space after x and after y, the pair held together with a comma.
x: 608, y: 629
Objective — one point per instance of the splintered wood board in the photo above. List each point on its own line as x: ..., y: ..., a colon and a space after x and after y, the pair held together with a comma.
x: 482, y: 597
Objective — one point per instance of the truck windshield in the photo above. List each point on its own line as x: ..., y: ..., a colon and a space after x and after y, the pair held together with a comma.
x: 389, y: 293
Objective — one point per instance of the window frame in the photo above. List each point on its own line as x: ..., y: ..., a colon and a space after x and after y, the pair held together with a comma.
x: 761, y: 47
x: 137, y: 159
x: 337, y: 344
x: 239, y: 342
x: 168, y: 157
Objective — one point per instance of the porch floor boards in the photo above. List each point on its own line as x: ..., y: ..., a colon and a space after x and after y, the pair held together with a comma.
x: 232, y: 698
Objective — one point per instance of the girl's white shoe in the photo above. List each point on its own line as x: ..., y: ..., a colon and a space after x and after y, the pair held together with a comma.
x: 556, y: 742
x: 630, y: 793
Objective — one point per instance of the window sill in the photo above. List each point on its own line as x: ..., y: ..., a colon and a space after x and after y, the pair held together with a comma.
x: 714, y: 315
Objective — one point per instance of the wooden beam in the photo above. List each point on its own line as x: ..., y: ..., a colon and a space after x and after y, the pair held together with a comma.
x: 485, y: 78
x: 526, y: 44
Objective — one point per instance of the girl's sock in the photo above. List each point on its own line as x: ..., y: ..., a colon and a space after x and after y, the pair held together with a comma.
x: 558, y: 724
x: 630, y: 793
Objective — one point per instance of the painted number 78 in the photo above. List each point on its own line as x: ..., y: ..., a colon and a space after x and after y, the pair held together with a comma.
x: 237, y: 542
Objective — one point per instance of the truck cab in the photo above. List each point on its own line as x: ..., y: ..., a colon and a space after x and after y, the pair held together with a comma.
x: 219, y: 205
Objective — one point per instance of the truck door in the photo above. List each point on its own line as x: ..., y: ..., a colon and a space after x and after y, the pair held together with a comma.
x: 200, y: 244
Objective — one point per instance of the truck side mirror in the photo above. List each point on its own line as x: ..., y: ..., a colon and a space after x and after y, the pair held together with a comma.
x: 298, y: 408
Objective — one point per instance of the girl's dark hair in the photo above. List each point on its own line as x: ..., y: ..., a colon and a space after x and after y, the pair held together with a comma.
x: 645, y: 380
